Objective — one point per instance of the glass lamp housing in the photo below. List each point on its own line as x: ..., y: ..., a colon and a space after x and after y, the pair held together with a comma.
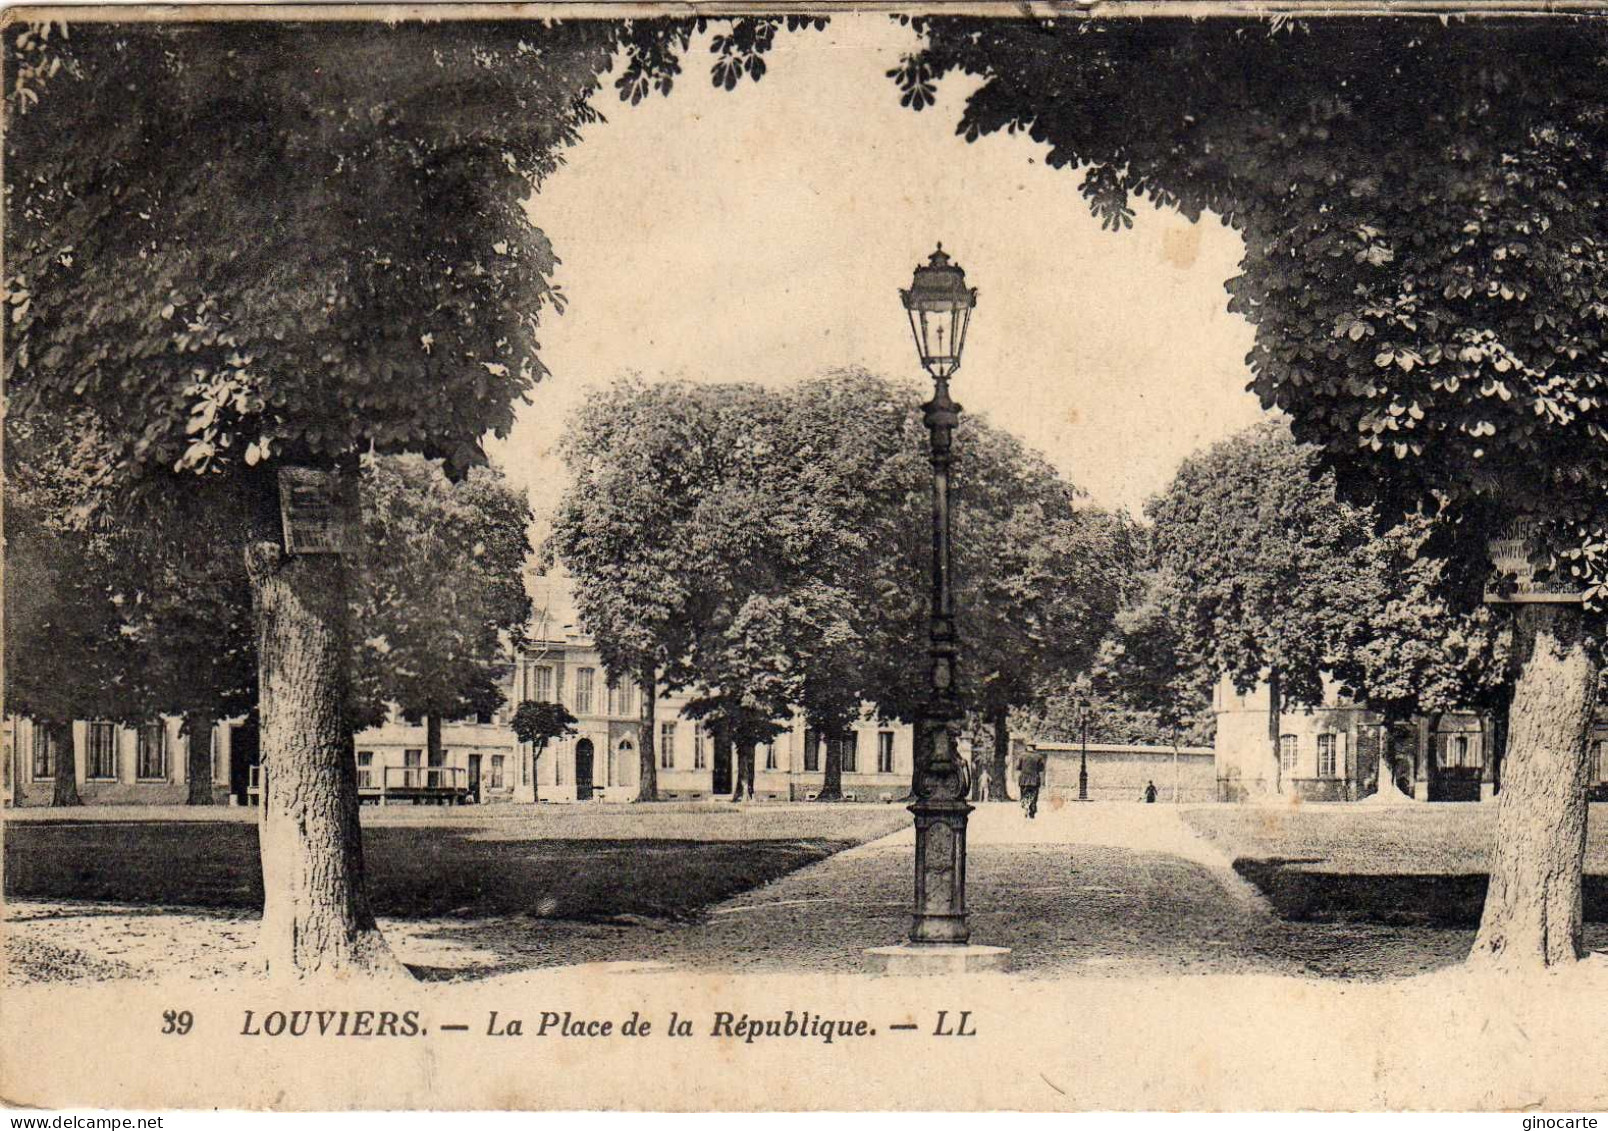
x: 939, y: 304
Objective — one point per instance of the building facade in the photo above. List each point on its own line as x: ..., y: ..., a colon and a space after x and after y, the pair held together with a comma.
x: 602, y: 760
x: 480, y: 762
x: 1342, y: 751
x: 115, y: 764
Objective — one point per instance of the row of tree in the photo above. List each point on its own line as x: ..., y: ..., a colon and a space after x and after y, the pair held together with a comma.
x: 1260, y: 572
x: 767, y: 551
x: 108, y: 621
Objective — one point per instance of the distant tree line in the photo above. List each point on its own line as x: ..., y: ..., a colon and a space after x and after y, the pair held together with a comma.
x: 111, y: 622
x: 767, y: 552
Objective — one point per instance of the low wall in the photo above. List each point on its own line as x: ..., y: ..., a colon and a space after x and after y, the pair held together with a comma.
x: 1120, y: 773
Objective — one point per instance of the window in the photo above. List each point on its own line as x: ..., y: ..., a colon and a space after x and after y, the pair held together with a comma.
x: 411, y: 761
x: 851, y: 752
x: 1326, y: 756
x: 150, y: 752
x: 44, y: 753
x: 365, y: 769
x: 542, y: 684
x: 1288, y: 751
x: 1459, y: 750
x: 884, y: 751
x: 1601, y: 746
x: 584, y: 678
x: 435, y: 774
x: 620, y: 698
x: 667, y: 746
x: 100, y: 757
x: 812, y: 752
x: 770, y: 755
x: 558, y: 770
x: 496, y: 771
x: 524, y: 770
x: 700, y: 756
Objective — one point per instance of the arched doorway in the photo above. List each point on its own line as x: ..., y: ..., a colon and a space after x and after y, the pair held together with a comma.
x: 583, y: 770
x: 625, y: 765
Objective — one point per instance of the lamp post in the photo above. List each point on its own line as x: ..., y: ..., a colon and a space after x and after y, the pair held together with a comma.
x: 1083, y: 757
x: 939, y: 304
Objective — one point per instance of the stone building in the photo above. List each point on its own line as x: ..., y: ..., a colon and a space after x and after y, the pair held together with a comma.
x: 1342, y: 751
x: 480, y: 761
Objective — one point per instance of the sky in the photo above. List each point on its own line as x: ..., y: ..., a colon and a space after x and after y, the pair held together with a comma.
x: 763, y: 234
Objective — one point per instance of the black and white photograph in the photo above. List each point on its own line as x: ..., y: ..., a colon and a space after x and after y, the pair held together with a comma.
x: 805, y: 557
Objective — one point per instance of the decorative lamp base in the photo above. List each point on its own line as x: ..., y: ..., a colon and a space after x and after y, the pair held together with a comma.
x: 910, y: 959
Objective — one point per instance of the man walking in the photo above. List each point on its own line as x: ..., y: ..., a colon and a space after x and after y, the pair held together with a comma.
x: 1029, y: 776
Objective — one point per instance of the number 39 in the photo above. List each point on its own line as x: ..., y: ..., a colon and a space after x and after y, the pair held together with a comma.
x: 177, y: 1022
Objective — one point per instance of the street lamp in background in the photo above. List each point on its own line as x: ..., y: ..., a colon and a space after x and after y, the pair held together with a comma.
x: 939, y: 305
x: 1083, y: 757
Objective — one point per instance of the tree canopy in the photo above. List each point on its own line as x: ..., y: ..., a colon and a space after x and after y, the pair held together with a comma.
x: 1424, y: 248
x: 779, y: 542
x: 439, y: 600
x: 1266, y: 570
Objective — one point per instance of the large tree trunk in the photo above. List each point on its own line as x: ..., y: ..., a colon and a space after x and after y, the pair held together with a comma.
x: 1533, y: 914
x: 65, y: 784
x: 198, y: 765
x: 726, y: 749
x: 1275, y: 705
x: 998, y: 781
x: 432, y: 742
x: 745, y: 770
x: 832, y: 785
x: 648, y: 779
x: 724, y: 772
x: 316, y: 918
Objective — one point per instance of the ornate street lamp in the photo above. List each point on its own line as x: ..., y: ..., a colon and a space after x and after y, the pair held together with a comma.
x: 940, y: 304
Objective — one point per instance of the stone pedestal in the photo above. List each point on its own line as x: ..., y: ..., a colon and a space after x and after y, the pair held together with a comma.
x: 1487, y: 791
x: 940, y: 911
x: 1420, y: 790
x: 914, y: 959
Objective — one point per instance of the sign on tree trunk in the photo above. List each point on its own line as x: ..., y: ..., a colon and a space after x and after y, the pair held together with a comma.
x: 1522, y: 573
x: 317, y: 510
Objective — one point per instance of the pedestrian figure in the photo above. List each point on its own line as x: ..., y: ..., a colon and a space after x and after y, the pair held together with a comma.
x: 1029, y: 776
x: 1150, y: 793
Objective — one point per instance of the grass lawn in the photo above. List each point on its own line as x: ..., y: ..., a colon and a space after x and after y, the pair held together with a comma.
x: 579, y: 863
x: 1411, y: 864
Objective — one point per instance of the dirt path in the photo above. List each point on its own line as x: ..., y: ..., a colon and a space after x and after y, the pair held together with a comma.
x: 1099, y: 889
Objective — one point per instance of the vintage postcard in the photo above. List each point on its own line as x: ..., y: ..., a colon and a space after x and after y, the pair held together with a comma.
x: 778, y: 557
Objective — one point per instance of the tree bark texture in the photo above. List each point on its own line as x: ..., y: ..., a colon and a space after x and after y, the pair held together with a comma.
x: 832, y: 782
x: 316, y: 918
x: 432, y: 741
x: 1533, y: 913
x: 1275, y: 704
x: 64, y: 792
x: 998, y: 779
x: 648, y: 779
x: 198, y: 768
x: 745, y: 770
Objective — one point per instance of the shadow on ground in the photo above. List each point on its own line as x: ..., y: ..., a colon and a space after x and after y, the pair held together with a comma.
x: 426, y: 872
x: 1304, y: 891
